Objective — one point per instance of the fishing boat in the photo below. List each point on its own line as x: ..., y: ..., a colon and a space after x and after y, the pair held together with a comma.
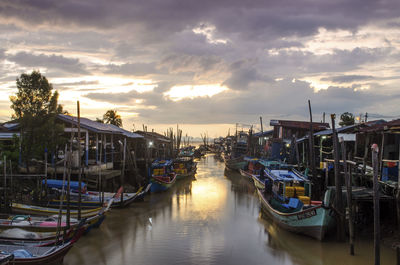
x: 34, y: 255
x: 162, y: 175
x: 91, y: 199
x: 286, y: 199
x: 48, y: 211
x: 235, y: 154
x: 43, y: 224
x: 252, y: 167
x: 6, y: 258
x: 184, y: 166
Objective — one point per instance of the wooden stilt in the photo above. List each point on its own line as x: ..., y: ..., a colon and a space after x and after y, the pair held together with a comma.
x: 349, y: 199
x: 375, y: 165
x: 338, y: 184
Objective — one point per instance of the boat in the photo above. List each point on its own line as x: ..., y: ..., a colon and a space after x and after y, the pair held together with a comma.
x: 286, y: 200
x: 6, y: 258
x: 48, y: 211
x: 43, y: 224
x: 162, y: 175
x: 184, y: 166
x: 236, y: 152
x: 252, y: 167
x: 92, y: 199
x: 34, y: 255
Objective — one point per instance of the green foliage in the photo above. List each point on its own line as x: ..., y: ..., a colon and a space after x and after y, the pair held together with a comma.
x: 10, y: 149
x: 36, y: 107
x: 346, y: 119
x: 112, y: 117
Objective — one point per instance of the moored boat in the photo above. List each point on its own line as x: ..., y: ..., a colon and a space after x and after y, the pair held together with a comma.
x: 162, y: 175
x: 285, y: 200
x: 34, y: 255
x: 184, y: 166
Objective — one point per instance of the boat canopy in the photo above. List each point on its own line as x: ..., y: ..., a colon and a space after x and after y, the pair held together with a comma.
x: 55, y: 183
x: 285, y: 176
x: 161, y: 163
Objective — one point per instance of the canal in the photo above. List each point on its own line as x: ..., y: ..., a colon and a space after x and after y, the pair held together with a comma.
x: 214, y: 218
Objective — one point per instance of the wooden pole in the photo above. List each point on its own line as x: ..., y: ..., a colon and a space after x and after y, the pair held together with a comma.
x: 381, y: 155
x: 11, y: 182
x: 338, y: 184
x: 45, y: 170
x: 79, y: 161
x: 398, y: 193
x: 366, y: 148
x: 61, y: 199
x: 375, y: 165
x: 5, y: 181
x: 123, y: 171
x: 349, y: 194
x: 311, y: 144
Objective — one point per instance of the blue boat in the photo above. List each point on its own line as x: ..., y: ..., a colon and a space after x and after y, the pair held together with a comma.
x: 162, y: 175
x: 286, y: 199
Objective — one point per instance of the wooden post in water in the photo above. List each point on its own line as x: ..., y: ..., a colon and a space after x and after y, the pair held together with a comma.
x: 311, y: 143
x: 349, y: 199
x: 45, y: 170
x: 5, y: 181
x: 123, y: 172
x: 398, y: 194
x: 338, y: 184
x: 79, y: 161
x: 375, y: 165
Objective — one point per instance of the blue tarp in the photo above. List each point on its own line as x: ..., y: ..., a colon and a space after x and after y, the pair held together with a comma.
x: 285, y: 175
x: 161, y: 163
x: 55, y: 183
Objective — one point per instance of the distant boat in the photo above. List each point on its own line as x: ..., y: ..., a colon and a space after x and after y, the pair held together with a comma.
x: 162, y: 175
x: 184, y: 166
x: 285, y: 200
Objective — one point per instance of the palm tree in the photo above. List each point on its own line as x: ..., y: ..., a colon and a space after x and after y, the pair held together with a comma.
x: 112, y: 117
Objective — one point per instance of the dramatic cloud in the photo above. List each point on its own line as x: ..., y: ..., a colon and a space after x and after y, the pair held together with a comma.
x: 207, y: 62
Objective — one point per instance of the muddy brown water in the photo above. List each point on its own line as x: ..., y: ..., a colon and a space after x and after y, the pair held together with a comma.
x: 214, y: 218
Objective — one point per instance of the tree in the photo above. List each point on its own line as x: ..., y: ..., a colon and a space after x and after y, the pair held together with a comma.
x: 346, y: 119
x: 112, y: 117
x: 36, y: 107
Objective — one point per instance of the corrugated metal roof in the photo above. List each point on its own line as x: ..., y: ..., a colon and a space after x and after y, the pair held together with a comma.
x: 98, y: 127
x: 339, y: 130
x: 259, y: 134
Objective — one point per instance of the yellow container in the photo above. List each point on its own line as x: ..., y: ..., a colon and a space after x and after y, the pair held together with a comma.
x: 181, y: 166
x: 289, y: 192
x: 305, y: 199
x: 300, y: 191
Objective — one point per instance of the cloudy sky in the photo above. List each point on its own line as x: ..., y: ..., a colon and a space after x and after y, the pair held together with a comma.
x: 206, y: 64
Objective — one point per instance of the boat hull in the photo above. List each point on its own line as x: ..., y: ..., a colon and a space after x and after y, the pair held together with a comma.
x: 313, y: 222
x: 158, y: 185
x: 259, y: 183
x: 235, y: 164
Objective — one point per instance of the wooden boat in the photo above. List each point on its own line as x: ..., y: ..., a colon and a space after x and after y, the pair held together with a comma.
x: 162, y: 175
x: 234, y: 163
x: 184, y: 166
x: 295, y: 213
x: 92, y: 199
x: 44, y: 224
x: 34, y: 255
x: 48, y: 211
x: 6, y: 258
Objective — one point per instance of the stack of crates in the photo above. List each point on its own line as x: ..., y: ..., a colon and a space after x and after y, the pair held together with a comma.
x: 158, y: 171
x: 304, y: 199
x: 299, y: 191
x: 289, y: 192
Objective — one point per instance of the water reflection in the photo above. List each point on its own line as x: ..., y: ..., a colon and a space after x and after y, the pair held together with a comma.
x: 213, y: 218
